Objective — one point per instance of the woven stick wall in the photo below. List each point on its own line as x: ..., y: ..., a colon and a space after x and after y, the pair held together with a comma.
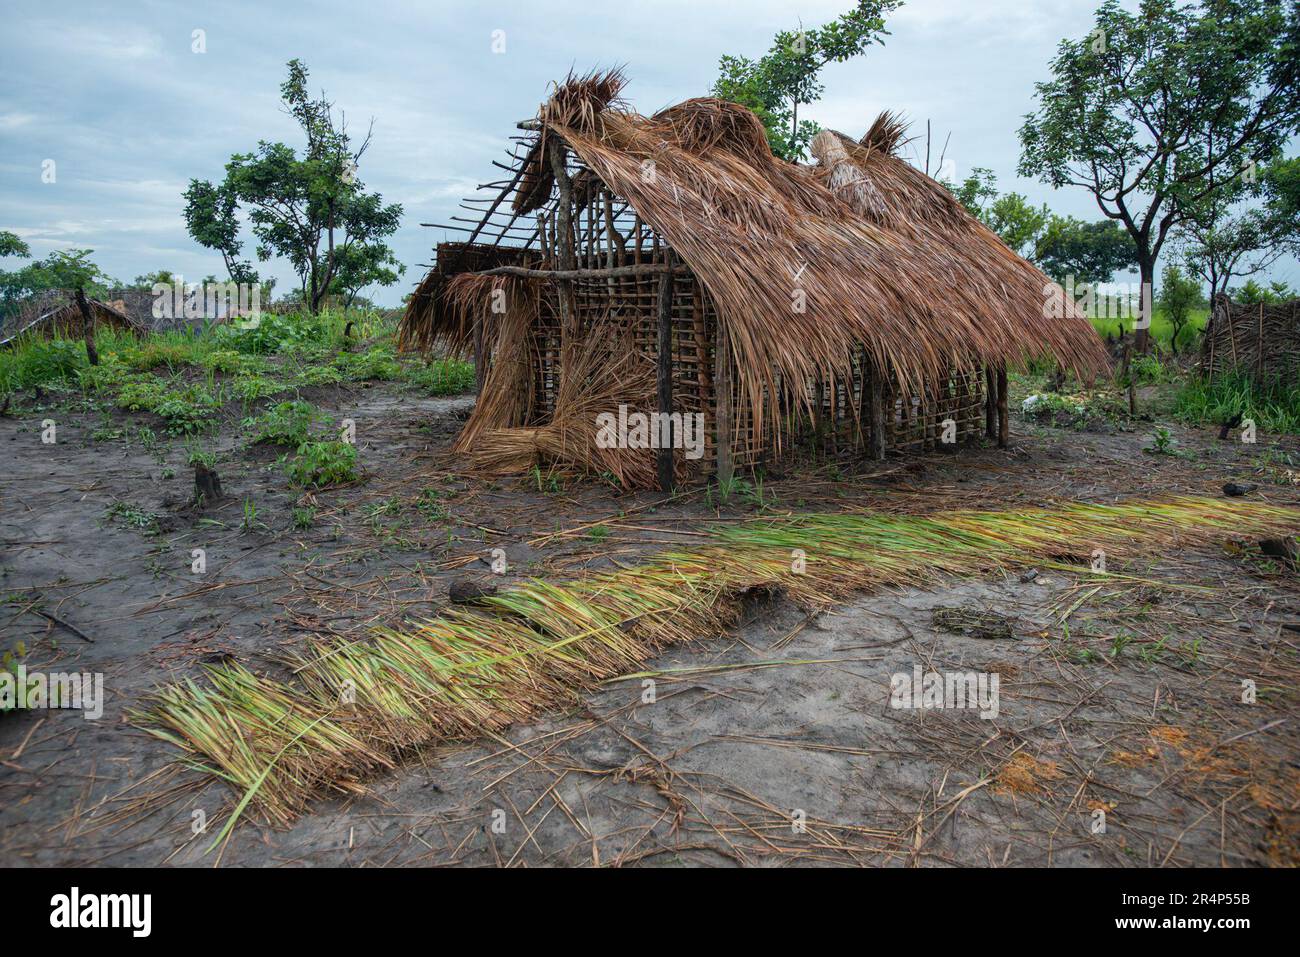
x: 1261, y: 340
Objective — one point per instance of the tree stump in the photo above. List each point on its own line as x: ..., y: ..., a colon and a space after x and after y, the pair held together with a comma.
x: 207, y: 484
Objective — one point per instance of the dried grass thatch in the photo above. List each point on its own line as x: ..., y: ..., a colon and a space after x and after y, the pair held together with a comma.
x: 884, y: 256
x: 65, y: 321
x: 607, y: 371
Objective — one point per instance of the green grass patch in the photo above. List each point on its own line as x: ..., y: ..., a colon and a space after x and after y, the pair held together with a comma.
x: 1273, y: 404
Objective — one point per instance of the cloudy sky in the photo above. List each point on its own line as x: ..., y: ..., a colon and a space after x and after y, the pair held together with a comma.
x: 116, y: 97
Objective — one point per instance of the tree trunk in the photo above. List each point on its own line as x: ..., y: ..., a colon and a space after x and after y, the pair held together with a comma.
x: 1146, y: 308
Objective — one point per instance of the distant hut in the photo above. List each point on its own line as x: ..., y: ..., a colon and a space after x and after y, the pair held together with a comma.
x: 58, y: 315
x: 674, y: 265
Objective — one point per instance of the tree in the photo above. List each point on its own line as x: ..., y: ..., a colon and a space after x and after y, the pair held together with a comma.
x: 975, y: 191
x: 211, y: 216
x: 1061, y: 246
x: 1091, y: 252
x: 1179, y: 294
x: 1252, y: 293
x: 1154, y: 111
x: 786, y: 77
x: 1226, y: 238
x: 12, y: 245
x: 365, y: 265
x: 62, y: 269
x: 1018, y: 223
x: 311, y: 210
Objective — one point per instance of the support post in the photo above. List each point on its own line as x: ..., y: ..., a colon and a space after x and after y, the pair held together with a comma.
x: 665, y: 380
x: 1004, y: 421
x: 876, y: 406
x: 722, y: 402
x: 990, y: 403
x: 87, y: 327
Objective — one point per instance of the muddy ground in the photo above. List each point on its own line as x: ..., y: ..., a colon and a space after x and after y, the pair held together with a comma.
x: 1121, y: 736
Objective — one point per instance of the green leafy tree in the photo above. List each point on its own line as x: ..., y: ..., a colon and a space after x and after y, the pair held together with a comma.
x: 1018, y: 222
x: 365, y: 265
x: 63, y: 269
x: 1253, y: 293
x: 12, y: 245
x: 310, y: 209
x: 211, y: 216
x: 1091, y: 252
x: 1179, y: 295
x: 1061, y: 246
x: 1229, y: 238
x: 1154, y: 111
x: 787, y: 76
x: 976, y: 191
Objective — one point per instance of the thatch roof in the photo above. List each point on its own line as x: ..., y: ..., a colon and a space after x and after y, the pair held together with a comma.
x: 65, y: 320
x: 886, y: 257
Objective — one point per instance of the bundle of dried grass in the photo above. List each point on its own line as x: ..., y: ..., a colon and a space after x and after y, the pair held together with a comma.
x: 606, y: 370
x: 579, y: 99
x: 356, y: 706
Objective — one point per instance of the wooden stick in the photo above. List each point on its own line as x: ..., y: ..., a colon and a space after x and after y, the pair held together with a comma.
x: 722, y: 402
x: 1004, y: 420
x: 665, y: 458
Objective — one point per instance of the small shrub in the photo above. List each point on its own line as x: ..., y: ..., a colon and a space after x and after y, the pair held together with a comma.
x: 287, y: 423
x: 443, y: 377
x: 317, y: 464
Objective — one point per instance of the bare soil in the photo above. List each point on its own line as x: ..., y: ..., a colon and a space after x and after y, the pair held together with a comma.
x: 772, y: 744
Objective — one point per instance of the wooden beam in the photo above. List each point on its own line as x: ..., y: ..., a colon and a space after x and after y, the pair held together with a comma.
x: 87, y: 327
x: 876, y: 407
x: 617, y: 272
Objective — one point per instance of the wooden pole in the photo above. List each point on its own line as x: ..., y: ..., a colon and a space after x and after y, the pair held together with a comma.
x: 1004, y: 420
x: 990, y: 403
x: 87, y: 327
x: 722, y: 402
x: 665, y: 383
x: 876, y: 405
x: 564, y: 247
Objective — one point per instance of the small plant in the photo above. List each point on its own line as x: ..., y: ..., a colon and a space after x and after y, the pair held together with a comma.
x: 286, y: 423
x: 430, y: 505
x: 1162, y: 443
x: 547, y: 482
x: 317, y: 464
x: 303, y: 517
x: 249, y: 523
x: 134, y: 516
x: 598, y: 533
x: 196, y: 455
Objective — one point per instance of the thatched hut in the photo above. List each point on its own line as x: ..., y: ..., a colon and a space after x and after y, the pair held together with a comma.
x: 58, y: 315
x: 671, y: 264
